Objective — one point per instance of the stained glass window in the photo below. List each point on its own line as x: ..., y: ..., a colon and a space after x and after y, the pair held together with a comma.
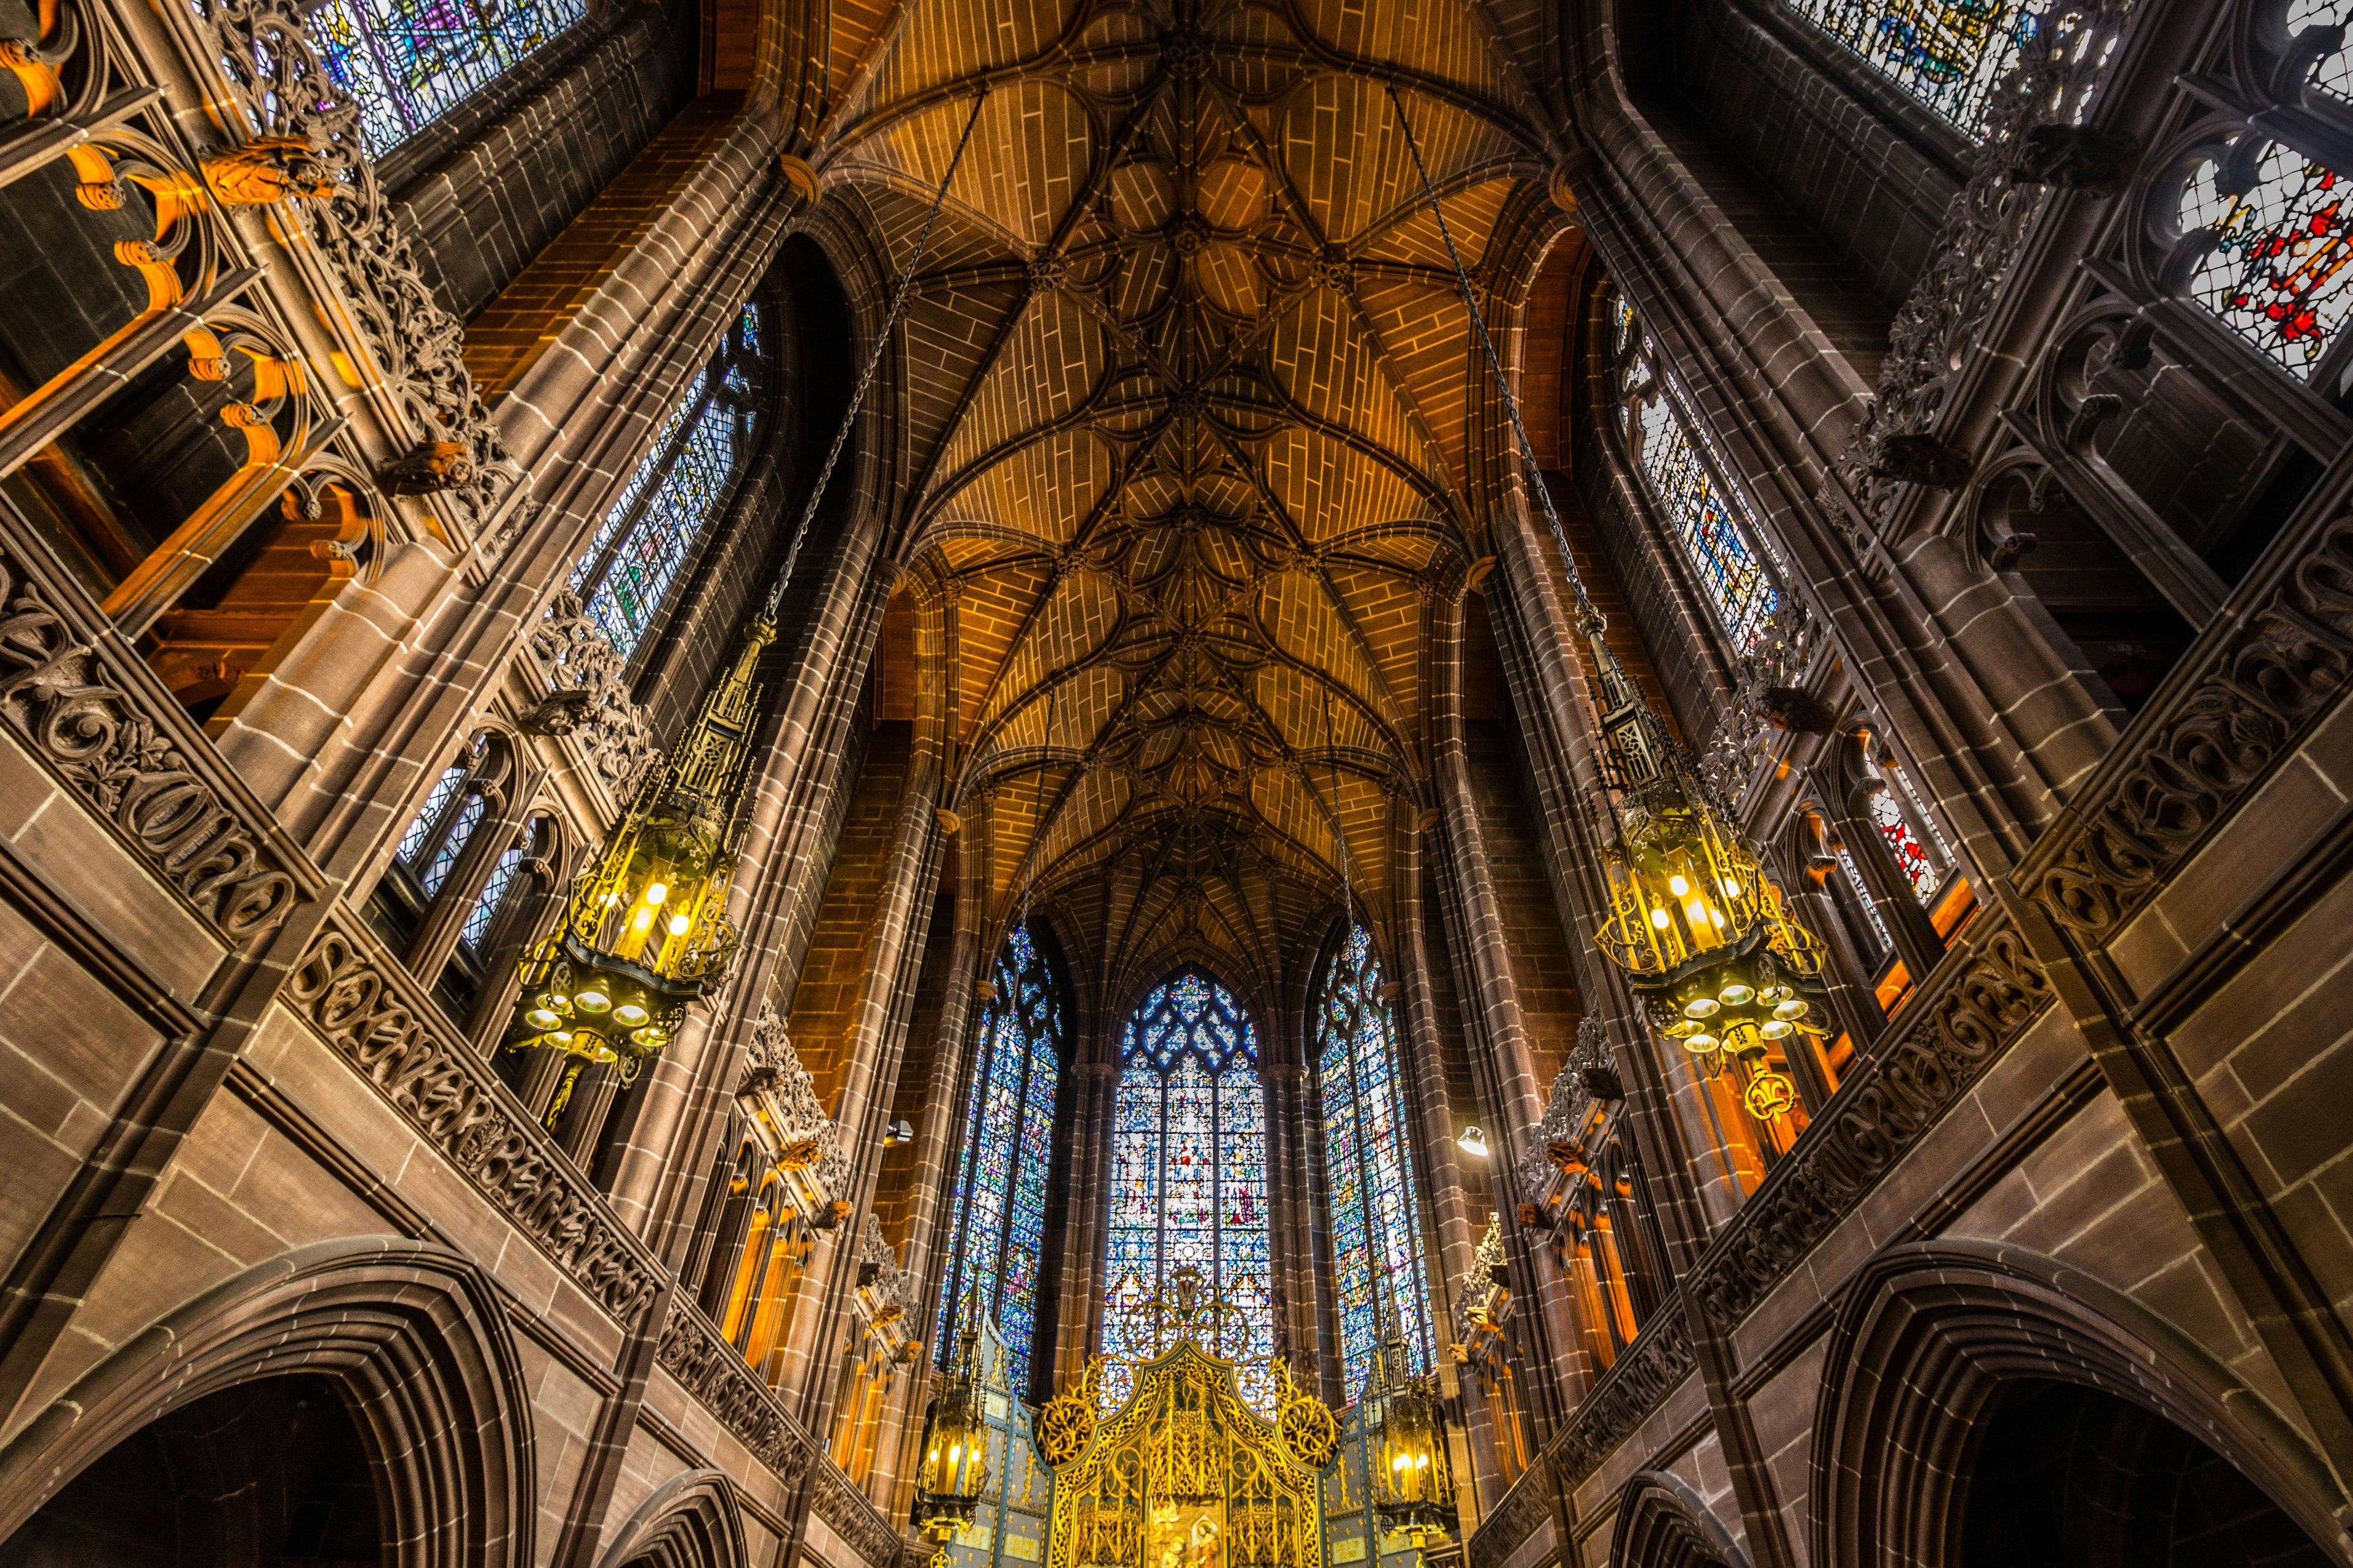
x: 996, y: 1214
x: 630, y: 566
x: 412, y: 843
x: 436, y: 870
x: 494, y: 893
x: 2278, y: 274
x: 1716, y: 536
x: 2333, y: 72
x: 1949, y: 54
x: 1189, y: 1178
x: 1911, y: 859
x: 408, y: 62
x: 1380, y: 1281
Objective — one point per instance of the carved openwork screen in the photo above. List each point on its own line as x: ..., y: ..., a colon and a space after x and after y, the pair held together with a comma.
x: 1711, y: 527
x: 997, y: 1218
x: 1948, y: 55
x: 1184, y: 1473
x: 408, y: 62
x: 1381, y: 1279
x: 629, y: 568
x: 1188, y: 1175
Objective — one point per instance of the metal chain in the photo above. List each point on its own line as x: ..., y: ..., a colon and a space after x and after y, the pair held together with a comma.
x: 1586, y: 612
x: 873, y: 360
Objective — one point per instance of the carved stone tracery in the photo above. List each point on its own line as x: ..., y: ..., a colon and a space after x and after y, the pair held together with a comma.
x: 588, y: 697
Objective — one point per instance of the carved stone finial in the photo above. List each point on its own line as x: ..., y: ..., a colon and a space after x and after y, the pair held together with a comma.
x: 1916, y: 458
x: 2074, y: 157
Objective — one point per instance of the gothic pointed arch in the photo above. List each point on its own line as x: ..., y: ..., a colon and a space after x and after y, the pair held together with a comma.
x: 412, y: 1336
x: 690, y: 1521
x: 1664, y: 1523
x: 1188, y: 1172
x: 1931, y: 1332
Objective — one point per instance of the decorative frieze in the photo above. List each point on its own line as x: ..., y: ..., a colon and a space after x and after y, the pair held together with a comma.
x: 1518, y: 1517
x: 171, y: 806
x: 1876, y: 1117
x: 1653, y: 1365
x: 855, y: 1519
x: 715, y: 1372
x: 365, y: 1007
x: 2281, y: 668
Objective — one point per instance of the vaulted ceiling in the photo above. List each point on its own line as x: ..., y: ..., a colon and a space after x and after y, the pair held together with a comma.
x: 1190, y: 376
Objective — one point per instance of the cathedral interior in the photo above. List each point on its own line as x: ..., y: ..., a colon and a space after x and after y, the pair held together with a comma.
x: 1176, y: 783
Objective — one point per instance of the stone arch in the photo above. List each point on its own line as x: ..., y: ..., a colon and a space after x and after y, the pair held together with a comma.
x: 689, y: 1521
x: 413, y: 1339
x: 1928, y: 1333
x: 1664, y: 1523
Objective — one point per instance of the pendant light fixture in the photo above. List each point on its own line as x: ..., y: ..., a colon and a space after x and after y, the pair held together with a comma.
x: 646, y: 930
x: 1700, y: 932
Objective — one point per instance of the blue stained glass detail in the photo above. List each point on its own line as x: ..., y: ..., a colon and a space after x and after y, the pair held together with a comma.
x: 647, y: 561
x: 1380, y: 1276
x: 494, y: 893
x: 413, y: 841
x: 469, y: 816
x: 997, y: 1210
x: 1949, y: 54
x: 1718, y: 537
x: 751, y: 328
x: 1189, y: 1177
x: 407, y: 62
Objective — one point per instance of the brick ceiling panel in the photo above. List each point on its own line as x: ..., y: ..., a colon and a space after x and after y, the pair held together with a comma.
x: 1188, y: 371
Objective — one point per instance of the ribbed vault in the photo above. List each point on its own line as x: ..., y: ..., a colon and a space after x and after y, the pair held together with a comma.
x: 1189, y: 377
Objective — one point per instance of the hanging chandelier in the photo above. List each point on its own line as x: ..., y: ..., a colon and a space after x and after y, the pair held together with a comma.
x: 1700, y: 930
x: 1412, y: 1484
x: 955, y: 1471
x: 645, y: 930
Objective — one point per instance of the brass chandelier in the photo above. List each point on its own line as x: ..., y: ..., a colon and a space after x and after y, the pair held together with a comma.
x: 1700, y: 930
x: 645, y: 930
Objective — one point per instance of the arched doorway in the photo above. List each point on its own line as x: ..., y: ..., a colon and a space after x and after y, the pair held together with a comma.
x: 2062, y: 1476
x: 272, y: 1473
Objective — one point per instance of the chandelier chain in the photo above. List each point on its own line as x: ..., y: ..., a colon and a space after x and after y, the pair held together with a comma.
x: 873, y: 360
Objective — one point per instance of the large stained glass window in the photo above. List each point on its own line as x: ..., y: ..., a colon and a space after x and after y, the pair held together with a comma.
x: 632, y: 563
x: 408, y: 62
x: 1717, y: 538
x: 996, y: 1216
x: 1189, y: 1178
x: 1382, y: 1284
x: 1949, y: 54
x: 2278, y: 275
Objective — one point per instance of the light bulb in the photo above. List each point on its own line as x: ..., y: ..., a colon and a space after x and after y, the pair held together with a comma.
x: 678, y: 924
x: 1702, y: 1007
x: 644, y: 921
x: 657, y: 892
x: 540, y: 1019
x: 1696, y: 911
x: 1777, y: 1030
x: 1701, y: 1044
x: 1793, y: 1007
x: 1658, y: 918
x: 588, y: 999
x: 629, y: 1015
x: 1677, y: 886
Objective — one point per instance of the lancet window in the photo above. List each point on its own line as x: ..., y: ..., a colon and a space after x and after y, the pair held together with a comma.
x: 2280, y: 272
x: 1380, y: 1281
x: 407, y: 62
x: 1947, y: 54
x: 996, y: 1217
x: 1711, y: 527
x: 630, y: 566
x: 1188, y: 1177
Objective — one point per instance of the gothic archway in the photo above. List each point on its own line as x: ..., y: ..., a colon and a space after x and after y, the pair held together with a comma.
x: 1664, y: 1523
x: 410, y: 1338
x: 1933, y: 1338
x: 689, y: 1521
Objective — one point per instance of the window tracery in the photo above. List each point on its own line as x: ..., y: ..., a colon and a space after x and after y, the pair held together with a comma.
x: 2277, y: 274
x: 629, y: 567
x: 1718, y: 540
x: 1188, y: 1176
x: 407, y: 62
x: 996, y: 1216
x: 1946, y: 54
x: 1380, y: 1279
